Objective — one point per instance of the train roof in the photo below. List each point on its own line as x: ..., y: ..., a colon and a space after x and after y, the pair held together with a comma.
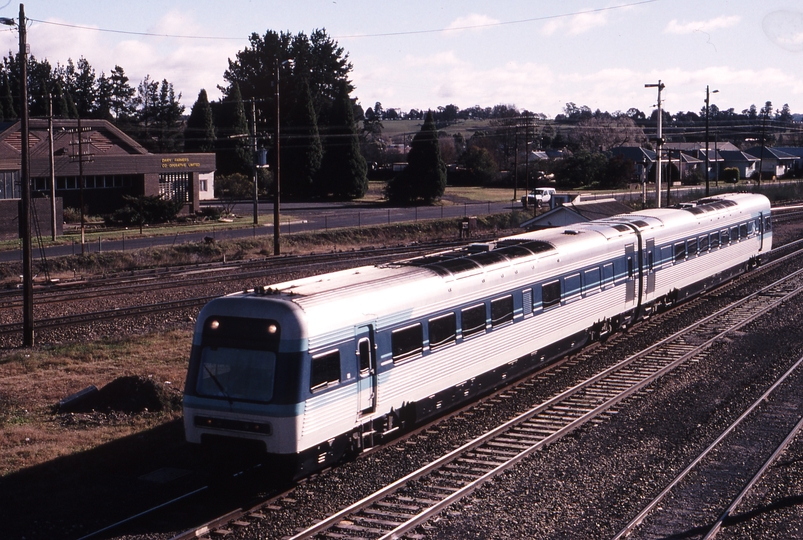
x: 346, y: 297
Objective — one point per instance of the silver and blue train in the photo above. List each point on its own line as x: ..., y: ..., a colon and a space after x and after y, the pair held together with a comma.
x: 315, y: 369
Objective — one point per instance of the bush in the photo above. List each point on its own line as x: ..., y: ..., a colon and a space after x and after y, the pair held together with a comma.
x: 72, y: 215
x: 145, y: 209
x: 730, y: 175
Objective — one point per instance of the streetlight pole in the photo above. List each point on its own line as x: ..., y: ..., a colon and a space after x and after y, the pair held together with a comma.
x: 659, y: 143
x: 707, y: 106
x: 25, y: 181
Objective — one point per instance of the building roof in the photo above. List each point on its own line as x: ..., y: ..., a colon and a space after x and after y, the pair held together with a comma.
x: 734, y: 156
x: 796, y: 151
x: 577, y: 211
x: 771, y: 153
x: 634, y: 153
x: 700, y: 146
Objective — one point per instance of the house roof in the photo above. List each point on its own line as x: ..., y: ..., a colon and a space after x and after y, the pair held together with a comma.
x: 734, y: 156
x: 700, y: 146
x: 634, y: 153
x: 770, y: 152
x: 796, y: 151
x: 577, y: 211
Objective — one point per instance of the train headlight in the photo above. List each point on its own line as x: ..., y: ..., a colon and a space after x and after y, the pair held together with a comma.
x: 214, y: 324
x: 272, y: 329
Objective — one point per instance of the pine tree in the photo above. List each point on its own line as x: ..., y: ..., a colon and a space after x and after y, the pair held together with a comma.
x: 233, y: 148
x: 343, y: 171
x: 61, y: 108
x: 199, y: 135
x: 7, y: 99
x: 424, y: 177
x: 301, y: 145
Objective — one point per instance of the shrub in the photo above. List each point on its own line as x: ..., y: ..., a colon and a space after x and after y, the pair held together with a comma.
x: 730, y: 175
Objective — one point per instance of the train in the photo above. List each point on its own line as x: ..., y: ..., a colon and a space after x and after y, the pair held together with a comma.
x: 314, y: 370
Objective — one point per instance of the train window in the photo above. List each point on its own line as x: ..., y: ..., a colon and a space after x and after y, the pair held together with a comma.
x: 473, y: 320
x: 691, y: 247
x: 702, y: 242
x: 768, y: 224
x: 666, y: 255
x: 571, y: 285
x: 364, y: 352
x: 234, y: 373
x: 751, y: 227
x: 735, y: 234
x: 591, y: 279
x: 442, y: 330
x: 724, y: 237
x: 501, y: 310
x: 743, y: 230
x: 680, y: 251
x: 714, y: 240
x: 407, y: 342
x: 325, y: 370
x: 607, y: 274
x: 550, y: 294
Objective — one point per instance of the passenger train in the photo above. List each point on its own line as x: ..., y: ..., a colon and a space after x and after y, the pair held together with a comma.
x: 315, y: 369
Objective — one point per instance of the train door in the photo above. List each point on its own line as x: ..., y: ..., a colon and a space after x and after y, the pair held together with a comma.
x: 761, y: 230
x: 650, y: 265
x: 366, y: 356
x: 630, y: 259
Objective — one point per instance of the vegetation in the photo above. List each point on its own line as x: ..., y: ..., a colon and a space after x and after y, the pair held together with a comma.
x: 424, y: 177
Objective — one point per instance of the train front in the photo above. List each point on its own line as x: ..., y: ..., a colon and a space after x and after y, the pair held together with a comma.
x: 243, y: 381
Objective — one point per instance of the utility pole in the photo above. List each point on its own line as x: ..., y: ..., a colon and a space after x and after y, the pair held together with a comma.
x: 707, y: 161
x: 25, y: 210
x: 659, y: 142
x: 53, y: 223
x: 277, y: 172
x: 254, y: 154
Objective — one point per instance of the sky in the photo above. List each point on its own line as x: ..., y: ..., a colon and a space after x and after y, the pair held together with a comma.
x: 538, y: 55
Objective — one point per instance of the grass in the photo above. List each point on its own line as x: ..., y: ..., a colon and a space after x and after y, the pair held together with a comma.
x: 29, y: 431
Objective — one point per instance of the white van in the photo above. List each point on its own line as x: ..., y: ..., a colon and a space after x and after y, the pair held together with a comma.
x: 537, y: 197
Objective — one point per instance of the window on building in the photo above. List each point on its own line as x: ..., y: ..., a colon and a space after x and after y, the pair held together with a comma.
x: 175, y: 186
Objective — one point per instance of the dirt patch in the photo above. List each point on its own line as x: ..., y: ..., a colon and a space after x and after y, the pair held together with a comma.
x: 129, y: 395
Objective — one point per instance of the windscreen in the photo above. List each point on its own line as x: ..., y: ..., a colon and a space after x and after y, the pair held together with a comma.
x: 236, y: 374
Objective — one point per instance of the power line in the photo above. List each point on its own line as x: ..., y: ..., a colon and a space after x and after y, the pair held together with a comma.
x: 501, y: 23
x: 381, y: 34
x: 146, y: 34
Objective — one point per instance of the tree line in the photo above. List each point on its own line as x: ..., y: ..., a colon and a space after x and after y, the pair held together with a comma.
x: 328, y: 141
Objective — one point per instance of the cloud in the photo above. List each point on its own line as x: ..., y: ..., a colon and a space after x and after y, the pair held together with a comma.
x: 577, y: 24
x: 675, y: 27
x: 473, y: 21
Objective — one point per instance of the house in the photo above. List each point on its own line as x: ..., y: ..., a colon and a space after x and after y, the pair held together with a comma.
x: 796, y: 166
x: 641, y: 157
x: 99, y: 168
x: 576, y: 211
x: 741, y: 161
x: 773, y: 161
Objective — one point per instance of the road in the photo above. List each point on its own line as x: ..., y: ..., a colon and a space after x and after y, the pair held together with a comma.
x: 295, y: 218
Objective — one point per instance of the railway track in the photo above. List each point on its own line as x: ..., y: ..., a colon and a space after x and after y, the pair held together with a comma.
x: 178, y: 277
x: 727, y: 469
x: 400, y: 507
